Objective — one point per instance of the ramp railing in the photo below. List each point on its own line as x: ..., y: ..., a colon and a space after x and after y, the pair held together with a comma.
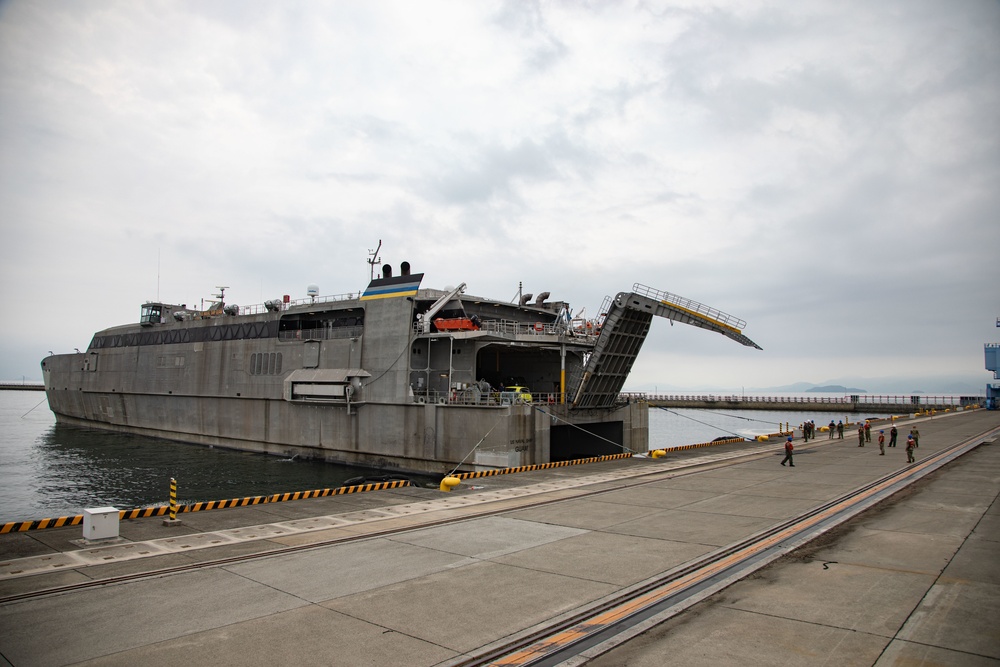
x: 688, y: 304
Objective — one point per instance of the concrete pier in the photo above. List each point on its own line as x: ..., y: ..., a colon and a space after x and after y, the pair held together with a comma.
x: 854, y: 404
x: 916, y: 578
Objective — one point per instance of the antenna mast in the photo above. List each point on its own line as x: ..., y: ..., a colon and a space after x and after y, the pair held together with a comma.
x: 221, y: 296
x: 374, y: 258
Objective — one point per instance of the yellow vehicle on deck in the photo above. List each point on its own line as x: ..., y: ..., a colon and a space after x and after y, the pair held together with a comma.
x: 517, y: 394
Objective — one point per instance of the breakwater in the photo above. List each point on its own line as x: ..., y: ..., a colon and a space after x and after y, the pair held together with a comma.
x: 852, y: 403
x: 22, y: 386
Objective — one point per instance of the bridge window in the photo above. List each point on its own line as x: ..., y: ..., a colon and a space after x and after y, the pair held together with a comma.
x: 151, y: 314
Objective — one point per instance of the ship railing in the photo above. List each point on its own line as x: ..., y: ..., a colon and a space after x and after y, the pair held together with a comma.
x: 874, y: 400
x: 688, y: 304
x: 474, y: 397
x: 514, y: 329
x: 279, y: 304
x: 326, y: 333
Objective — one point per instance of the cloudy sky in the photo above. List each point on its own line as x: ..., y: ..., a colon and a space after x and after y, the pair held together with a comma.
x: 827, y: 171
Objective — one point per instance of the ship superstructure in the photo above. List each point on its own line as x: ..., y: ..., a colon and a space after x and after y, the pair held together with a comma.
x: 398, y: 376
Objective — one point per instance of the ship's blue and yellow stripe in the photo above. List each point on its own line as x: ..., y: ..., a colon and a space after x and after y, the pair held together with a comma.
x: 385, y: 288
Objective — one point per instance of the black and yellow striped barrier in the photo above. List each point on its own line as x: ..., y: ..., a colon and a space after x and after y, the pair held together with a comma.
x: 143, y: 512
x: 21, y: 526
x: 540, y: 466
x: 682, y: 448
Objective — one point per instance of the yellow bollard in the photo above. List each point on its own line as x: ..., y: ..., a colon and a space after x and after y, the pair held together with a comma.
x: 762, y: 438
x: 173, y: 499
x: 449, y: 482
x: 173, y: 520
x: 658, y: 453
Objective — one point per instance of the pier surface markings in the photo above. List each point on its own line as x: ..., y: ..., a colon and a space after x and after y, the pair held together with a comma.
x: 435, y: 594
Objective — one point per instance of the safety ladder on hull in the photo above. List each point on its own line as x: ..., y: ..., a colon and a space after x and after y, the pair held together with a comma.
x: 626, y: 323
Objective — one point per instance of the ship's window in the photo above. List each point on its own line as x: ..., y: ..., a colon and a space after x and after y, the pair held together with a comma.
x: 259, y: 363
x: 323, y: 325
x: 150, y: 314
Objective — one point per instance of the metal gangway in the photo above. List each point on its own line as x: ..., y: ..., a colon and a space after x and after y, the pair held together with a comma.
x: 626, y: 323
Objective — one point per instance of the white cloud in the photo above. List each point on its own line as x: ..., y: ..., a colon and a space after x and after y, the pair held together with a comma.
x: 824, y: 170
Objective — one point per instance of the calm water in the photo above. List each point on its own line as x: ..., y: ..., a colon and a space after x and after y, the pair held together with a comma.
x: 49, y: 470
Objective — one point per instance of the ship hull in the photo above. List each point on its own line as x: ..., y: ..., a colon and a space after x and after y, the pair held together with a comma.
x: 362, y: 380
x: 428, y: 438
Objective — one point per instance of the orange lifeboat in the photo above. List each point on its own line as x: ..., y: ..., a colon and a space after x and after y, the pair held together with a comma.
x: 455, y: 324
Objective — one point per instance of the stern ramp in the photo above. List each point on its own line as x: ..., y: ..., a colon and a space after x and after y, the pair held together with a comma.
x: 626, y: 322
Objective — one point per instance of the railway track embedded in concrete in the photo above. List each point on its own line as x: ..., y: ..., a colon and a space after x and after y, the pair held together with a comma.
x: 596, y: 629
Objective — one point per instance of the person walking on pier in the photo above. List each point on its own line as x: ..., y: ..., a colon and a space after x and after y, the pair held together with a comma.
x: 788, y: 453
x: 892, y: 436
x: 868, y: 431
x: 881, y: 443
x: 840, y: 430
x: 911, y: 444
x: 915, y: 434
x: 833, y: 427
x: 861, y: 435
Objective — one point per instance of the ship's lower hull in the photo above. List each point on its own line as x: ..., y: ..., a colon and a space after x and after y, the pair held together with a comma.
x: 430, y: 437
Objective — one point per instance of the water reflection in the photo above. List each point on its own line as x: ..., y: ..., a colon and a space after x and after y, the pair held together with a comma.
x: 68, y: 468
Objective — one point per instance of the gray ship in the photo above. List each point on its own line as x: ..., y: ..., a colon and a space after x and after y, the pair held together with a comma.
x: 397, y: 377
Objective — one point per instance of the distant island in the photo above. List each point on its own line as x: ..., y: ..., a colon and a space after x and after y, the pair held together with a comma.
x: 836, y: 388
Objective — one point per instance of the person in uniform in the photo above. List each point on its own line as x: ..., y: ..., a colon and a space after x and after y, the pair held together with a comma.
x: 788, y: 452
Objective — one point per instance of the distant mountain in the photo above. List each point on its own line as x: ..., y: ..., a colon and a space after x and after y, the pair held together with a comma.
x: 838, y: 389
x: 797, y: 387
